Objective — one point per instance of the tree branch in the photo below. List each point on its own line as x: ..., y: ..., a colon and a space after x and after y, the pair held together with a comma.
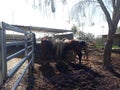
x: 116, y: 12
x: 117, y: 17
x: 118, y: 4
x: 113, y: 3
x: 109, y: 20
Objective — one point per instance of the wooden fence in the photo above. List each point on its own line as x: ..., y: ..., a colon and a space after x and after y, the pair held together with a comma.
x: 28, y: 52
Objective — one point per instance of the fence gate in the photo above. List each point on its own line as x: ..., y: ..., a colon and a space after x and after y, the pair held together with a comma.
x: 28, y: 51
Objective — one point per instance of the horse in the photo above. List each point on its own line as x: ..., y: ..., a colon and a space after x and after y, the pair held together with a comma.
x: 47, y: 48
x: 76, y: 46
x: 59, y: 47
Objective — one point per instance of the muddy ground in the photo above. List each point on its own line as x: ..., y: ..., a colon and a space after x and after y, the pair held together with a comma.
x: 70, y: 75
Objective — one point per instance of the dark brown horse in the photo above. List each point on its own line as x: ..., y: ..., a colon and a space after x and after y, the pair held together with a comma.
x: 76, y: 46
x: 47, y: 48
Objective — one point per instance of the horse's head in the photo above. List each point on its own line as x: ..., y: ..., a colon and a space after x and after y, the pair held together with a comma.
x: 83, y: 44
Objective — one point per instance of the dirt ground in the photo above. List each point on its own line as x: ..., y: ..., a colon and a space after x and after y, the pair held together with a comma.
x: 69, y: 75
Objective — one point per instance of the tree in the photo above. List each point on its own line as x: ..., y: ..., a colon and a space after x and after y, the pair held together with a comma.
x: 86, y: 36
x: 74, y: 29
x: 44, y: 3
x: 82, y: 35
x: 112, y: 20
x: 98, y: 41
x: 90, y: 37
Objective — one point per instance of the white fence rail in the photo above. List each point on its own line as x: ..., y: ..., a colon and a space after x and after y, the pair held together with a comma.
x: 28, y: 52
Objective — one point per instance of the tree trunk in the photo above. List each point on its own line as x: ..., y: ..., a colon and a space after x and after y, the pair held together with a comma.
x: 108, y: 50
x: 107, y: 54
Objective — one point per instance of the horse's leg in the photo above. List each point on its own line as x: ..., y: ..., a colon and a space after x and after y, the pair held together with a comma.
x: 86, y: 54
x: 83, y: 54
x: 64, y: 53
x: 79, y: 53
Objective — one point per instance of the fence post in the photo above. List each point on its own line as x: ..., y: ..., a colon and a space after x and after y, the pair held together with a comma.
x: 26, y: 45
x: 1, y: 74
x: 33, y: 42
x: 31, y: 67
x: 3, y: 61
x: 33, y: 49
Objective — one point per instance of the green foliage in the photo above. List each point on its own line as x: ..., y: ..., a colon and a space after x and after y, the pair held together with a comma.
x: 99, y: 46
x: 99, y: 41
x: 85, y: 36
x: 90, y: 37
x: 74, y: 29
x: 82, y: 35
x: 118, y: 30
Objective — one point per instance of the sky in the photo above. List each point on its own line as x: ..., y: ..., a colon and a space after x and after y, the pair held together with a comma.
x: 20, y: 12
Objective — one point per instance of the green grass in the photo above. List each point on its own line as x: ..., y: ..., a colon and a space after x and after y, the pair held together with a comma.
x: 101, y: 46
x: 115, y: 46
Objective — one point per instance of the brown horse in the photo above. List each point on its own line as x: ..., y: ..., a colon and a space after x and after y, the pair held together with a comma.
x: 76, y: 46
x: 47, y: 48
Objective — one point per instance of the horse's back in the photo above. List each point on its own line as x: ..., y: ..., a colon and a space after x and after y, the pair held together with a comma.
x: 47, y: 49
